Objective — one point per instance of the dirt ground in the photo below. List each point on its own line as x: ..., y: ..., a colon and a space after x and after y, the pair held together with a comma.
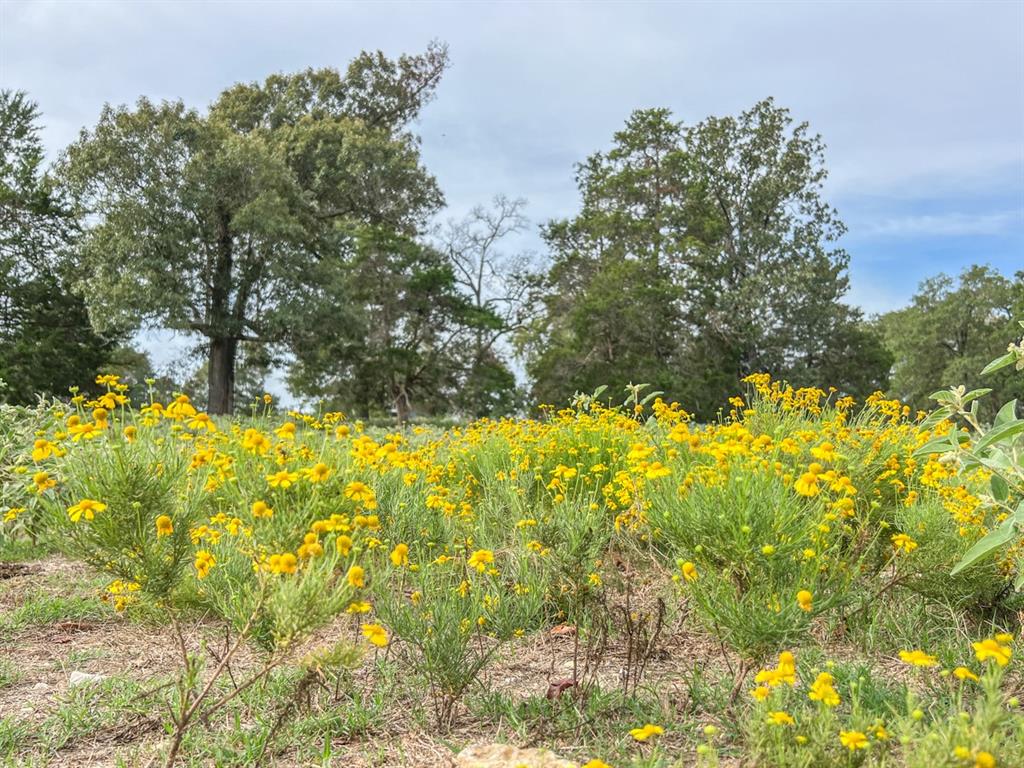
x: 44, y: 654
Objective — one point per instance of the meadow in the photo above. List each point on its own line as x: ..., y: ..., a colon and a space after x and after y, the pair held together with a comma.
x: 597, y: 586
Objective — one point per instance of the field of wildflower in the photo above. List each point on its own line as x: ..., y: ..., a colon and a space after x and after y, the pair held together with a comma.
x: 619, y: 585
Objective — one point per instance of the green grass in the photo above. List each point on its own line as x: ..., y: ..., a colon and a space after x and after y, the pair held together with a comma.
x: 42, y: 608
x: 22, y: 550
x: 9, y: 673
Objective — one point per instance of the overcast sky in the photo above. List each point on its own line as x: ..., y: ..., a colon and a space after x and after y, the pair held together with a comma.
x: 921, y: 104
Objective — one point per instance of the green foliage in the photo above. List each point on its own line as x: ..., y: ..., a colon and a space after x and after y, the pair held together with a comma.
x: 951, y: 329
x: 46, y: 341
x: 755, y: 546
x: 997, y: 448
x: 402, y: 318
x: 700, y: 255
x: 139, y: 482
x: 228, y: 217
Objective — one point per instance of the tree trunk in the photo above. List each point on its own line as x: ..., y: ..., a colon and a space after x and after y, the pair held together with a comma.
x: 223, y: 339
x: 221, y: 398
x: 402, y: 407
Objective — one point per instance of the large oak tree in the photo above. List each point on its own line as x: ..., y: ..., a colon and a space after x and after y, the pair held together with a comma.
x: 217, y: 222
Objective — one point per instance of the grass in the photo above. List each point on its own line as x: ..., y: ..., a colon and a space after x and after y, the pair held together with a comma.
x: 22, y: 550
x: 9, y: 673
x: 41, y: 608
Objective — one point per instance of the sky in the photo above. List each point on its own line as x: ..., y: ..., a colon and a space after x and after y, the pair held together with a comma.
x: 921, y: 105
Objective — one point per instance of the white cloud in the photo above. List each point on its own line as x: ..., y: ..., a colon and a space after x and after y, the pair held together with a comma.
x: 944, y: 225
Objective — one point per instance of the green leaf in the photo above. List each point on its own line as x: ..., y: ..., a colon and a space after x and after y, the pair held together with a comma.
x: 650, y: 397
x: 1018, y: 583
x: 986, y: 545
x: 1000, y: 362
x: 936, y: 416
x: 943, y: 396
x: 974, y: 394
x: 1000, y: 488
x: 943, y: 444
x: 1007, y: 413
x: 1000, y: 433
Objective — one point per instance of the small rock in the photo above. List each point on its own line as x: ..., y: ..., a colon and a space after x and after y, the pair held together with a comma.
x: 84, y: 678
x: 506, y: 756
x: 40, y: 687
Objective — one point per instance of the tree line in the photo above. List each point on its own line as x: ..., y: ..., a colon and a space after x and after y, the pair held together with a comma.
x: 292, y: 226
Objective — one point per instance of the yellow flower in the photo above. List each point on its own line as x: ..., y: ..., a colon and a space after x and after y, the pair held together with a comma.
x: 130, y: 433
x: 901, y: 541
x: 963, y: 673
x: 43, y: 482
x: 310, y: 547
x: 344, y: 545
x: 359, y: 606
x: 984, y: 760
x: 400, y: 555
x: 356, y: 576
x: 285, y: 563
x: 480, y: 559
x: 42, y: 449
x: 262, y: 509
x: 780, y: 718
x: 595, y: 763
x: 768, y: 550
x: 807, y: 485
x: 853, y: 740
x: 993, y: 649
x: 824, y: 691
x: 656, y: 470
x: 164, y: 526
x: 202, y: 421
x: 761, y: 693
x: 361, y: 493
x: 646, y: 732
x: 785, y: 672
x: 376, y: 634
x: 282, y: 479
x: 85, y: 508
x: 689, y: 571
x: 204, y: 562
x: 918, y: 658
x: 805, y: 600
x: 318, y: 473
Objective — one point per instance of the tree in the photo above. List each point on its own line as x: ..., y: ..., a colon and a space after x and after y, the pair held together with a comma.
x: 217, y: 223
x: 498, y: 286
x: 611, y: 303
x: 398, y: 300
x: 46, y: 341
x: 699, y: 255
x: 950, y: 331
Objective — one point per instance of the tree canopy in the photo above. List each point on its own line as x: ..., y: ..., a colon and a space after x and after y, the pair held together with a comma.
x: 46, y: 341
x: 950, y: 331
x: 700, y: 254
x: 217, y: 222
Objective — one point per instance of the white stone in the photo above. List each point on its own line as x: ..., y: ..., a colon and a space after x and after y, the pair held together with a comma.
x: 506, y: 756
x: 84, y: 678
